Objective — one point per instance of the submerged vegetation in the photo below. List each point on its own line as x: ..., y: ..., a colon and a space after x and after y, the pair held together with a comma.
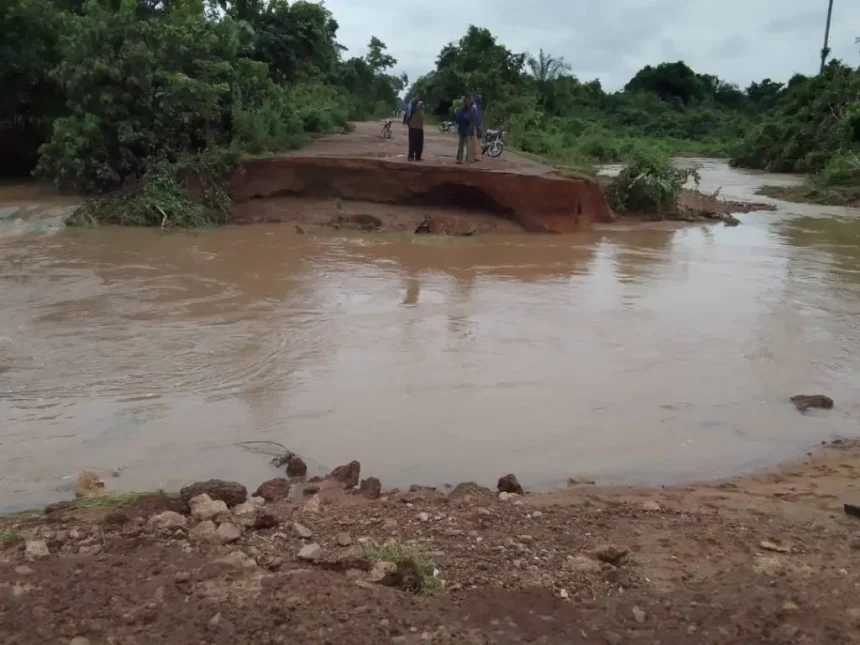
x: 127, y: 98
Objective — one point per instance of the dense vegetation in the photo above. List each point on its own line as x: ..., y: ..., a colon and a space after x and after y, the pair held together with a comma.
x: 809, y: 124
x: 123, y: 96
x: 105, y: 94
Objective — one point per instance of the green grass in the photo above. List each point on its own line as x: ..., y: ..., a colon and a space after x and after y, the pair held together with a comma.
x: 407, y: 557
x: 8, y: 538
x: 116, y: 500
x: 809, y: 193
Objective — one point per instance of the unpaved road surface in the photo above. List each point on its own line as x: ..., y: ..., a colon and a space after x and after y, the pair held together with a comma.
x: 769, y: 559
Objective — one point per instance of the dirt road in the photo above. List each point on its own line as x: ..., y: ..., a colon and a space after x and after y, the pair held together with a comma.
x: 767, y: 559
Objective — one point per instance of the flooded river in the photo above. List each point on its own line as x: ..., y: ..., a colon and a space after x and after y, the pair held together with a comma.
x: 630, y: 354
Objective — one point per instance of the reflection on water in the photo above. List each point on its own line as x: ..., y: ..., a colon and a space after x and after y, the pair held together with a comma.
x: 651, y: 353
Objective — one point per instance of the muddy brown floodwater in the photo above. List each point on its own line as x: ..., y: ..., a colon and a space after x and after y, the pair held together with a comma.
x: 632, y: 354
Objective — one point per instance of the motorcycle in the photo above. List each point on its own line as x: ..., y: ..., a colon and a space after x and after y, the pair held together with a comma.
x: 386, y: 130
x: 447, y: 126
x: 492, y: 144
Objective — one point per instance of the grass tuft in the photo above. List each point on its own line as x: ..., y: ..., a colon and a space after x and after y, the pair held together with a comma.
x: 415, y: 567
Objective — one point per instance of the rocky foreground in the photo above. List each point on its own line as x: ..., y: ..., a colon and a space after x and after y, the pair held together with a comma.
x: 770, y: 559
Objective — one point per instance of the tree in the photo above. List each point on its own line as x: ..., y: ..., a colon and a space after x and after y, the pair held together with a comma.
x: 546, y: 70
x: 377, y: 57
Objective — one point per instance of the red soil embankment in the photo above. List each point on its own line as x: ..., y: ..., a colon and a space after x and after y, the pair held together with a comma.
x: 538, y: 204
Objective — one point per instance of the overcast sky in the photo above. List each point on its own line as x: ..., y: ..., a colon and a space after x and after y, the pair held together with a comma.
x: 738, y: 40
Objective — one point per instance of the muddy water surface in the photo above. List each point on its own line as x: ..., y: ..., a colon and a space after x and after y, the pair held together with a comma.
x: 631, y: 354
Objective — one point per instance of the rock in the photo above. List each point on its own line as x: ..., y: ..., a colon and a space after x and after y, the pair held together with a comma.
x: 579, y: 481
x: 302, y: 531
x: 215, y: 620
x: 181, y: 577
x: 257, y: 501
x: 313, y: 505
x: 274, y: 490
x: 370, y: 487
x: 611, y: 553
x: 446, y: 225
x: 238, y: 559
x: 639, y: 615
x: 347, y: 475
x: 117, y: 517
x: 205, y: 508
x: 854, y: 510
x: 612, y: 638
x: 206, y: 531
x: 380, y: 570
x: 88, y: 484
x: 507, y: 497
x: 789, y: 607
x: 166, y: 521
x: 228, y: 532
x: 343, y: 539
x: 246, y: 514
x: 36, y: 550
x: 423, y: 517
x: 651, y: 506
x: 583, y: 564
x: 777, y: 548
x: 310, y: 552
x: 265, y: 521
x: 231, y: 493
x: 805, y: 401
x: 296, y: 467
x: 469, y: 489
x: 23, y: 570
x: 79, y: 640
x: 509, y: 484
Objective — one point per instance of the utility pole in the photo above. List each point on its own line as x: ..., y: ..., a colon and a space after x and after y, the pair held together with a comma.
x: 825, y: 51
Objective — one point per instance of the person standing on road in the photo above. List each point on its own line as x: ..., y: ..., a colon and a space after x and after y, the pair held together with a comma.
x: 414, y: 119
x: 479, y: 125
x: 466, y: 131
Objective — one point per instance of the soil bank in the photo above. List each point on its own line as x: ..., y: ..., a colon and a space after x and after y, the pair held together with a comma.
x: 765, y: 559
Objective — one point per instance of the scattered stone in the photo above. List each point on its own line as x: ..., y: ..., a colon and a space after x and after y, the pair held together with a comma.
x: 296, y: 467
x: 343, y: 539
x: 166, y: 521
x: 778, y: 548
x: 231, y: 493
x: 507, y: 497
x: 302, y: 531
x: 310, y: 552
x: 537, y: 514
x: 228, y: 532
x: 611, y: 553
x: 612, y: 638
x: 347, y: 475
x: 423, y: 517
x: 509, y: 484
x: 36, y: 550
x: 370, y: 487
x: 205, y: 531
x: 380, y: 570
x: 204, y: 507
x: 692, y: 629
x: 639, y: 615
x: 215, y: 620
x: 181, y: 577
x: 239, y: 560
x: 651, y: 506
x: 274, y: 490
x: 23, y: 570
x: 246, y: 514
x: 469, y: 489
x: 564, y: 594
x: 579, y: 481
x: 88, y: 484
x: 79, y: 640
x: 257, y: 501
x: 789, y: 607
x: 805, y: 401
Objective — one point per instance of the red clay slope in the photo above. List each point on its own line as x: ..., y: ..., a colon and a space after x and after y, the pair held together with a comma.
x: 538, y: 203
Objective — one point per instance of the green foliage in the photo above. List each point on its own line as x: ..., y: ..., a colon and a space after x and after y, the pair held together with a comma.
x: 649, y: 183
x: 415, y: 566
x: 8, y: 538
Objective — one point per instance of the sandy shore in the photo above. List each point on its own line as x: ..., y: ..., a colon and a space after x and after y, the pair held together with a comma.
x: 763, y: 559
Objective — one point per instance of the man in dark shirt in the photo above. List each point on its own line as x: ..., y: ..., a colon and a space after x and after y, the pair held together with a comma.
x: 415, y: 121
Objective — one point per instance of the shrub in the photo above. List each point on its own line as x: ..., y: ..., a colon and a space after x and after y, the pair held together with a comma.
x: 649, y: 183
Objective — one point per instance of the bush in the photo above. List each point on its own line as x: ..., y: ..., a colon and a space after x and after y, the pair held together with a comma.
x: 649, y: 183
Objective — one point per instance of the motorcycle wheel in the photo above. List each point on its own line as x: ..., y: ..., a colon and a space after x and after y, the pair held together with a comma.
x: 495, y: 149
